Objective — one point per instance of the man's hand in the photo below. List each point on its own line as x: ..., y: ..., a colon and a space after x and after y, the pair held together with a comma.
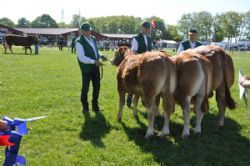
x: 103, y: 57
x: 98, y: 63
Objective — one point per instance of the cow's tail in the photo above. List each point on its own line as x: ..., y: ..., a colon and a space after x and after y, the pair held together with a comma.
x: 230, y: 101
x: 205, y: 102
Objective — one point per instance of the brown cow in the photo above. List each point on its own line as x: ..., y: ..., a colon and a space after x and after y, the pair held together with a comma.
x: 25, y: 41
x: 119, y: 57
x: 223, y: 77
x: 194, y: 83
x: 146, y: 75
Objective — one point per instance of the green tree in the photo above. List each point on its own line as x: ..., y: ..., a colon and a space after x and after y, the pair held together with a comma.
x: 23, y: 23
x: 116, y: 24
x: 44, y: 21
x: 247, y: 20
x: 184, y: 24
x: 173, y: 33
x: 63, y: 25
x: 218, y: 34
x: 230, y: 24
x: 245, y: 26
x: 7, y: 22
x: 201, y: 21
x: 77, y: 20
x: 160, y: 27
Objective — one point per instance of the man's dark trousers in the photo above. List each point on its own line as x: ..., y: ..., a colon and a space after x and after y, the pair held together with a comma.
x: 94, y: 76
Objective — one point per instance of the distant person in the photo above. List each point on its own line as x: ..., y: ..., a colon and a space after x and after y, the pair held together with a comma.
x: 73, y: 45
x: 60, y: 43
x: 140, y: 44
x: 245, y: 82
x: 191, y: 43
x: 88, y: 58
x: 37, y: 46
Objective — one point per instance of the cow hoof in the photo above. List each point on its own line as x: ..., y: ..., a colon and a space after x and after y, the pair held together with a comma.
x: 185, y: 137
x: 197, y: 134
x: 148, y: 136
x: 221, y: 127
x: 197, y: 131
x: 162, y: 135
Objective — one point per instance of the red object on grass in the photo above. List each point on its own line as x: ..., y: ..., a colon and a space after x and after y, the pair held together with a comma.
x: 4, y: 140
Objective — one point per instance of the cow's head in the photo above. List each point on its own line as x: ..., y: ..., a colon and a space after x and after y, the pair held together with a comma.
x: 119, y: 55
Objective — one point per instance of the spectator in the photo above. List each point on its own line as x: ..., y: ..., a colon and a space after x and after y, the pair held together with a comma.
x: 73, y: 45
x: 140, y: 44
x: 191, y: 43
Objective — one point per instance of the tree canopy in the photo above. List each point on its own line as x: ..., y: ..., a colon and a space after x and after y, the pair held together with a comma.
x: 7, y: 22
x: 210, y: 28
x: 44, y: 21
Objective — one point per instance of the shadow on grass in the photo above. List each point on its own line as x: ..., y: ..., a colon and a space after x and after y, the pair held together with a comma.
x: 213, y: 147
x: 94, y: 128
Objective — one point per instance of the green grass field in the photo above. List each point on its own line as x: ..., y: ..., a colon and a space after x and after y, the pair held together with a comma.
x: 49, y: 84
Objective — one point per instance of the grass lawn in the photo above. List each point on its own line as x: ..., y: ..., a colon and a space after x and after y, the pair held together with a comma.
x: 50, y: 83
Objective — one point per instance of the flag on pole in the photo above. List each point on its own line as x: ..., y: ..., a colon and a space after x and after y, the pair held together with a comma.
x: 152, y: 24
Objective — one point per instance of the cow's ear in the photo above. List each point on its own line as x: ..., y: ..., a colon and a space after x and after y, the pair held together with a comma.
x: 120, y: 49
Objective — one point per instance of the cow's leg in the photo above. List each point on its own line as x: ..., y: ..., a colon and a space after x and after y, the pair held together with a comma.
x: 10, y: 47
x: 186, y: 116
x: 30, y: 50
x: 168, y: 108
x: 5, y: 46
x: 135, y: 102
x: 221, y: 103
x: 25, y: 50
x: 151, y: 107
x: 157, y: 102
x: 199, y: 113
x: 121, y: 104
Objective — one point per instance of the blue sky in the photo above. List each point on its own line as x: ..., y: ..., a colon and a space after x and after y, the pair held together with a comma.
x: 169, y: 10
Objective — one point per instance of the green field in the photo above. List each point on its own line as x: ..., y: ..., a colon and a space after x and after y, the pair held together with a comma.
x: 49, y: 84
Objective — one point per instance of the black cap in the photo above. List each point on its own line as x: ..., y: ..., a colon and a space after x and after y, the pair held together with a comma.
x: 86, y: 26
x: 146, y: 25
x: 193, y: 31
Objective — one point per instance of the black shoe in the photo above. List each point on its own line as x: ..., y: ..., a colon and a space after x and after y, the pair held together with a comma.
x: 128, y: 105
x: 85, y: 109
x: 96, y: 108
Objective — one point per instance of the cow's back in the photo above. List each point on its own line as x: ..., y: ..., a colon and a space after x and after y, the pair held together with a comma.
x: 223, y: 69
x: 150, y: 71
x: 194, y: 76
x: 18, y: 40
